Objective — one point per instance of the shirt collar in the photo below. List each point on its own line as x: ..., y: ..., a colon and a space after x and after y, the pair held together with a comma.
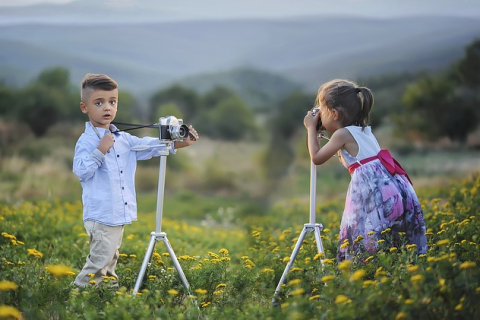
x: 101, y: 131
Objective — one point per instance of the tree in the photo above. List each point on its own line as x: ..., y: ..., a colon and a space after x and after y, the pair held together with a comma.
x: 7, y: 100
x: 284, y: 125
x: 47, y: 99
x: 469, y: 66
x: 446, y: 105
x: 213, y: 97
x: 40, y: 108
x: 185, y: 99
x: 436, y: 108
x: 230, y: 120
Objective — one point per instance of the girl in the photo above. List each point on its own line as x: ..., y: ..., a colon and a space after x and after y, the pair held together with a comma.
x: 380, y: 196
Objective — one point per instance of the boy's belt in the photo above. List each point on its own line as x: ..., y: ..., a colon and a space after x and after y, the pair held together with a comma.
x: 386, y: 159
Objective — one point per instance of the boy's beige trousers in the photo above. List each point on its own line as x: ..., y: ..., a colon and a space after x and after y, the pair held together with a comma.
x: 105, y: 242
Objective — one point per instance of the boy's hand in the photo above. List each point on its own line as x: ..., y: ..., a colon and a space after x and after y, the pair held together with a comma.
x: 193, y: 135
x: 192, y: 138
x: 106, y: 143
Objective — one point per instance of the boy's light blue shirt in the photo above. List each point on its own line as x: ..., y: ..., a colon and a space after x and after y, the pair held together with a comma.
x: 108, y: 181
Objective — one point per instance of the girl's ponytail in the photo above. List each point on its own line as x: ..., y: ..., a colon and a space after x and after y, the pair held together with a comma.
x: 366, y: 103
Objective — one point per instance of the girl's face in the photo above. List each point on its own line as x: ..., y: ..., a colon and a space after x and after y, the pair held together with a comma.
x: 329, y: 118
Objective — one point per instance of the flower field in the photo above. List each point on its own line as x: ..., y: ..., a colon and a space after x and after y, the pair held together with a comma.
x: 233, y: 272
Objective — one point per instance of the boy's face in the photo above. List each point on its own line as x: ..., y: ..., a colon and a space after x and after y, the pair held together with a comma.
x: 101, y: 107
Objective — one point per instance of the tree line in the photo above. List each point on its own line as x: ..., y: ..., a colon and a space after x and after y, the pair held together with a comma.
x: 422, y: 106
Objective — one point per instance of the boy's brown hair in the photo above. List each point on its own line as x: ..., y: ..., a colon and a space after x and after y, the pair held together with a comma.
x: 93, y: 82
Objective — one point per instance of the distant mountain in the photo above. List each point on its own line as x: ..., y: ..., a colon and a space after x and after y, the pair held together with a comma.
x: 146, y: 56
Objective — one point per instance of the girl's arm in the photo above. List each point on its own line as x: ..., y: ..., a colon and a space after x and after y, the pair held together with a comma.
x: 318, y: 154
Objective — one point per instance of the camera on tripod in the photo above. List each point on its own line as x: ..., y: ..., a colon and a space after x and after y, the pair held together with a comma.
x: 172, y: 129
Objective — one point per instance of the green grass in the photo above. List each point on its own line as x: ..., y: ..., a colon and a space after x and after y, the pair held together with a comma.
x: 233, y: 270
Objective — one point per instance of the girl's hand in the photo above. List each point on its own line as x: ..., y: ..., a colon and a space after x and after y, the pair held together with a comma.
x: 311, y: 120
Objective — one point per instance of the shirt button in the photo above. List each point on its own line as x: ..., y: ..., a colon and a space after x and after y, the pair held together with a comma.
x: 121, y: 171
x: 123, y: 188
x: 118, y: 156
x: 125, y: 203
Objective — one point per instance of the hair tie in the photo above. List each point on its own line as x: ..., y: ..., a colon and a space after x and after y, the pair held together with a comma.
x: 357, y: 90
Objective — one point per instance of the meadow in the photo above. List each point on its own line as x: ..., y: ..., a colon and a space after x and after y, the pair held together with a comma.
x: 233, y: 268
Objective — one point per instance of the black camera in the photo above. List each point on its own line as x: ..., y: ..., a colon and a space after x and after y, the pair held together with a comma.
x: 172, y: 129
x: 316, y: 110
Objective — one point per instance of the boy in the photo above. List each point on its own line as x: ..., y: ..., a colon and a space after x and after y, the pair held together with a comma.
x: 105, y: 165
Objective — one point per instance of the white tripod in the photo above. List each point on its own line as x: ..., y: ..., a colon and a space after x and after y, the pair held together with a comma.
x: 158, y: 235
x: 307, y: 227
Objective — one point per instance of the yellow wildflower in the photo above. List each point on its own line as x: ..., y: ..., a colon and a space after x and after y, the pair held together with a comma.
x: 8, y: 312
x: 413, y: 269
x: 344, y: 265
x: 35, y: 253
x: 201, y: 291
x: 358, y: 239
x: 327, y: 278
x: 223, y: 251
x: 172, y: 292
x: 315, y: 297
x: 368, y: 259
x: 297, y: 292
x: 319, y: 256
x: 268, y: 270
x: 386, y: 231
x: 341, y: 299
x: 401, y: 316
x: 416, y: 278
x: 392, y: 249
x: 294, y: 282
x: 468, y: 265
x: 59, y: 270
x: 443, y: 242
x: 358, y: 275
x: 8, y: 285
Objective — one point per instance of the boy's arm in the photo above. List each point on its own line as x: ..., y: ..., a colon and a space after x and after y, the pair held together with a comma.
x: 86, y: 161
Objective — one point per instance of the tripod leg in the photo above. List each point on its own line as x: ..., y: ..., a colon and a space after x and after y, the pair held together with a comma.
x: 319, y: 239
x: 175, y: 263
x: 289, y: 264
x: 146, y: 261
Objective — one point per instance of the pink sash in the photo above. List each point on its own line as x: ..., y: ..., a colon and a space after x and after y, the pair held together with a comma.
x: 388, y: 162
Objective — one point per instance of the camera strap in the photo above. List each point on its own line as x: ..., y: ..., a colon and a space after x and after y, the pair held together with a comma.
x: 135, y: 126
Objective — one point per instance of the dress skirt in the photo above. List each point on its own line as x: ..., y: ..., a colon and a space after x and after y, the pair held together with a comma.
x: 377, y: 200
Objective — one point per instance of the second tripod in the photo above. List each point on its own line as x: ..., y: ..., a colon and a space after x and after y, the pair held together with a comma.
x: 307, y: 227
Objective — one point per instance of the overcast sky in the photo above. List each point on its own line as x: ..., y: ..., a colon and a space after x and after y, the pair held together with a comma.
x: 201, y: 9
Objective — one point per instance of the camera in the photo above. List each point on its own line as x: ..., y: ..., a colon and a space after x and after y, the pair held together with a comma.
x: 316, y: 110
x: 172, y: 129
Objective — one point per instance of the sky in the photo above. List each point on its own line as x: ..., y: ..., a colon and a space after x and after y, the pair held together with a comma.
x: 227, y: 9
